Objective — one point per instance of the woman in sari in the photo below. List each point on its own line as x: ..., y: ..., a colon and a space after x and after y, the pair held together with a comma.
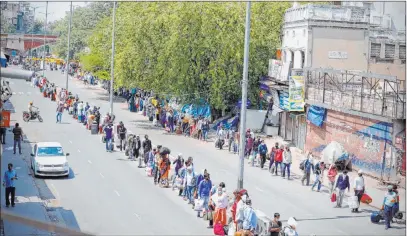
x: 165, y: 166
x: 221, y: 200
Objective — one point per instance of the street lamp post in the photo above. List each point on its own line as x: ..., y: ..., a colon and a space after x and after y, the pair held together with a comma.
x: 112, y: 59
x: 69, y: 44
x: 45, y: 33
x: 244, y: 98
x: 32, y: 33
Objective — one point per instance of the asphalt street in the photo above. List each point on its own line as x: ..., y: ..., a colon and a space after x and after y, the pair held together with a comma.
x: 110, y: 195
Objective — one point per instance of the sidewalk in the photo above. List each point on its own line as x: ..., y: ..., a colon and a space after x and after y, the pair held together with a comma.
x: 373, y: 187
x: 28, y: 203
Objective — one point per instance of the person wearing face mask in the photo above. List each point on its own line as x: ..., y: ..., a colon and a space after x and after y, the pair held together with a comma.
x: 204, y: 189
x: 275, y: 225
x: 291, y: 228
x: 342, y: 184
x: 359, y: 188
x: 221, y: 201
x: 240, y: 207
x: 212, y: 204
x: 390, y: 199
x: 249, y: 218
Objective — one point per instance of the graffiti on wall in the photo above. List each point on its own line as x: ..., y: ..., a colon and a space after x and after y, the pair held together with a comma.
x: 365, y: 145
x: 380, y: 131
x: 370, y: 144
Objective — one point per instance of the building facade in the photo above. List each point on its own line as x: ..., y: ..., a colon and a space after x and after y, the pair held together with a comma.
x: 19, y: 15
x: 352, y: 58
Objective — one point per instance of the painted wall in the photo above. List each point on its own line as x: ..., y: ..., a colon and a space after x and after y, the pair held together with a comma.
x: 350, y: 41
x: 363, y: 139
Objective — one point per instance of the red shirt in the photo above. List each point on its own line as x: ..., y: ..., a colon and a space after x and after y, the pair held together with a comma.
x: 278, y: 155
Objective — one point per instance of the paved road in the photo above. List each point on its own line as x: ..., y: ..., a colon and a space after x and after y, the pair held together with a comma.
x: 105, y: 183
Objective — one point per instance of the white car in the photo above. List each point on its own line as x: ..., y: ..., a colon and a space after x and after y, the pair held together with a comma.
x: 49, y: 159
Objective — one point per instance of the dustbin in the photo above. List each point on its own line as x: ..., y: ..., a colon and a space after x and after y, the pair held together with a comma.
x: 271, y: 130
x: 94, y: 129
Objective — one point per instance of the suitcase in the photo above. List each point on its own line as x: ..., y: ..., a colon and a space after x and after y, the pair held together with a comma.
x: 94, y: 129
x: 376, y: 217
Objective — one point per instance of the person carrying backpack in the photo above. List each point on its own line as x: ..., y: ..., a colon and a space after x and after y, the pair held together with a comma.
x: 306, y: 167
x: 262, y: 151
x: 318, y: 176
x: 249, y: 218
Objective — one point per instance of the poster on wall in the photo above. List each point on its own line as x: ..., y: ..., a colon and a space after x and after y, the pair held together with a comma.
x: 296, y: 93
x: 275, y: 67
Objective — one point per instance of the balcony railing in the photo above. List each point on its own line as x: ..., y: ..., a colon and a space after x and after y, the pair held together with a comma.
x: 327, y: 13
x: 363, y: 93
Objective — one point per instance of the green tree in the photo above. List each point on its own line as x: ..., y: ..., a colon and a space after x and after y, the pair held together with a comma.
x: 193, y: 51
x: 84, y: 20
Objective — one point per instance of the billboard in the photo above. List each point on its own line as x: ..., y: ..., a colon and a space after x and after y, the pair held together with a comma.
x: 296, y: 93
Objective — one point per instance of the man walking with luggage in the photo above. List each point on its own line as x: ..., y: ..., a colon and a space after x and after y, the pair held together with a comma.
x: 262, y: 152
x: 18, y: 137
x: 306, y: 167
x: 146, y: 149
x: 121, y: 130
x: 359, y: 188
x: 390, y: 198
x: 8, y: 182
x: 60, y: 110
x: 109, y: 135
x: 342, y: 184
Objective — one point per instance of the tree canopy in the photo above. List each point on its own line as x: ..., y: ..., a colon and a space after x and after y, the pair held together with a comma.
x: 84, y: 20
x: 193, y: 51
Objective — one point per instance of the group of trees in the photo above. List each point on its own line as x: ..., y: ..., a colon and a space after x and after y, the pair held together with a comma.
x: 193, y: 51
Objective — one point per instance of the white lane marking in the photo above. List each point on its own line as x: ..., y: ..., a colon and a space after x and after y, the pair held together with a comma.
x: 259, y: 189
x: 17, y: 168
x: 70, y: 141
x: 117, y: 193
x: 79, y: 150
x: 138, y: 217
x: 89, y: 162
x: 101, y: 175
x: 55, y: 191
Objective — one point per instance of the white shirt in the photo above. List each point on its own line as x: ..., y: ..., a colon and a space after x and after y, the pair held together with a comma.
x: 359, y: 183
x: 221, y: 201
x: 221, y: 134
x: 290, y: 232
x: 287, y: 158
x: 188, y: 178
x: 240, y: 210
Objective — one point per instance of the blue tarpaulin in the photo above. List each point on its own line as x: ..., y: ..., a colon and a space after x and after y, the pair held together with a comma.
x: 316, y: 115
x: 3, y: 60
x: 197, y: 110
x: 248, y: 103
x: 228, y: 123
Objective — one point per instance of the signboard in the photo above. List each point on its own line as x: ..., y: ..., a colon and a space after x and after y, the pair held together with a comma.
x: 5, y: 119
x: 296, y: 93
x: 337, y: 55
x: 275, y: 67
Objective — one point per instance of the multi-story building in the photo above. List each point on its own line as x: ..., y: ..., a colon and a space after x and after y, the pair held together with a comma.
x: 347, y: 62
x: 18, y: 15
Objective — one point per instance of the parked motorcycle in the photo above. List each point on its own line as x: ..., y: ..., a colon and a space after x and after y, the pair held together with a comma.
x: 27, y: 116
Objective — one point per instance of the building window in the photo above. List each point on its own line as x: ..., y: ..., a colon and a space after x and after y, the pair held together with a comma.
x: 375, y: 50
x: 402, y: 52
x: 389, y: 50
x: 293, y: 33
x: 304, y: 32
x: 303, y: 59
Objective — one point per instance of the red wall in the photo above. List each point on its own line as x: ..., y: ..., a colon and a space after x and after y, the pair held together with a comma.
x: 363, y: 139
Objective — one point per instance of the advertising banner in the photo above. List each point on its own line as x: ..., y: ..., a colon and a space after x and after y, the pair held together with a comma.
x: 296, y: 93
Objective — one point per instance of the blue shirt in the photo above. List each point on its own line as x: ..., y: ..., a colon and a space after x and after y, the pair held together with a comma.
x: 390, y: 199
x: 108, y: 131
x: 343, y: 182
x: 250, y: 219
x: 204, y: 188
x: 7, y: 178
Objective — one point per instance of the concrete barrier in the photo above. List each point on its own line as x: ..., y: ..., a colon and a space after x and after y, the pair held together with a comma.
x: 263, y: 223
